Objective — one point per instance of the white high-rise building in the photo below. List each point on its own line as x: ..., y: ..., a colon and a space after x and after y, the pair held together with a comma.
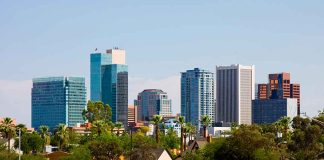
x: 234, y: 94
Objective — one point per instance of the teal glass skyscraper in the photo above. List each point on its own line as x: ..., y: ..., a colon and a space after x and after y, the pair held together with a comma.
x: 96, y: 61
x: 58, y: 100
x: 109, y: 82
x: 115, y: 91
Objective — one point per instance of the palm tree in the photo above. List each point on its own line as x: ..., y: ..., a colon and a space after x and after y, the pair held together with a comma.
x: 118, y: 125
x: 181, y: 120
x: 205, y: 120
x: 22, y: 128
x: 192, y: 130
x: 282, y: 125
x: 157, y: 120
x: 44, y: 131
x: 8, y: 130
x: 62, y: 134
x: 186, y: 132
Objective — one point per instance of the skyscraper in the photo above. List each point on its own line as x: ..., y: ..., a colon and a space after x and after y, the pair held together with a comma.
x: 58, y: 100
x: 152, y: 102
x: 115, y: 91
x: 132, y: 115
x: 262, y: 91
x: 197, y: 95
x: 280, y: 87
x: 109, y: 82
x: 96, y: 61
x: 234, y: 94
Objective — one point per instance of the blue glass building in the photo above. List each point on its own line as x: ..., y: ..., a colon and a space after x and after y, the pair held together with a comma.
x: 109, y: 82
x: 58, y: 100
x: 197, y: 95
x: 115, y: 91
x: 96, y: 61
x: 267, y: 111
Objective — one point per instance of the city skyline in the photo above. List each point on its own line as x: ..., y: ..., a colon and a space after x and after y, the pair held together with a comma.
x: 160, y: 45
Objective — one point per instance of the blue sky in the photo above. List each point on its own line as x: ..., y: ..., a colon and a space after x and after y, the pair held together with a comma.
x: 162, y: 39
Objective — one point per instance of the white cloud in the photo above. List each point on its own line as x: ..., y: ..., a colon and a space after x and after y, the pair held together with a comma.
x: 15, y: 100
x: 171, y: 85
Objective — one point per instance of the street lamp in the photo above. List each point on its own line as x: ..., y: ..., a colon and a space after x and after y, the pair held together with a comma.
x: 19, y: 144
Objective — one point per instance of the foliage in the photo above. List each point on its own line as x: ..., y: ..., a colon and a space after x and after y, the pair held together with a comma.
x: 193, y: 155
x: 170, y: 140
x: 306, y: 139
x: 157, y: 120
x: 62, y: 136
x: 30, y: 142
x: 181, y: 120
x: 144, y: 129
x: 22, y: 128
x: 8, y: 130
x: 79, y: 153
x: 205, y: 121
x: 106, y: 147
x: 45, y: 135
x: 143, y: 147
x: 118, y: 125
x: 97, y: 111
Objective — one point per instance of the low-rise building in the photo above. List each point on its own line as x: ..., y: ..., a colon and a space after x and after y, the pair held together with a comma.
x: 266, y: 111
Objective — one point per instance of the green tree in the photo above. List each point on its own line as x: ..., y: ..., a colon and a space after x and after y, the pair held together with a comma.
x: 62, y: 135
x: 97, y: 111
x: 157, y: 120
x: 192, y: 130
x: 306, y: 139
x: 30, y: 142
x: 170, y: 140
x: 143, y: 148
x: 181, y: 120
x: 45, y: 135
x: 79, y: 153
x: 8, y: 130
x: 144, y: 130
x: 247, y: 142
x: 205, y: 121
x: 118, y: 125
x: 99, y: 127
x: 22, y: 128
x: 106, y: 147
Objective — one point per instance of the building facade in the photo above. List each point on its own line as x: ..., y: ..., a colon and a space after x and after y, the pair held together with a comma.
x: 152, y: 102
x: 280, y: 87
x: 197, y: 95
x: 115, y: 91
x: 132, y: 115
x: 234, y: 94
x: 262, y: 91
x: 267, y: 111
x: 58, y: 100
x: 109, y: 82
x: 96, y: 61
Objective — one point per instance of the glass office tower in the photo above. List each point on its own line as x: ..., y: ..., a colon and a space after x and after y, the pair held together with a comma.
x: 96, y: 61
x: 58, y: 100
x: 115, y: 91
x: 197, y: 95
x: 152, y: 102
